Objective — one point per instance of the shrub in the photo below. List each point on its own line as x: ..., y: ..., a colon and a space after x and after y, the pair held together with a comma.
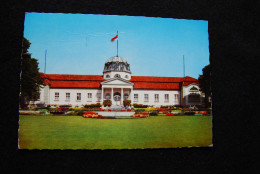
x: 140, y: 105
x: 127, y: 103
x: 107, y: 103
x: 97, y: 105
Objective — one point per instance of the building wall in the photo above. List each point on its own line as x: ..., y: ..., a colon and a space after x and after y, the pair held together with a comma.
x: 151, y: 97
x: 187, y: 91
x: 47, y: 96
x: 73, y: 96
x: 43, y: 98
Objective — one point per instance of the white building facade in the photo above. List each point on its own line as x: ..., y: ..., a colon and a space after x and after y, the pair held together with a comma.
x: 118, y: 84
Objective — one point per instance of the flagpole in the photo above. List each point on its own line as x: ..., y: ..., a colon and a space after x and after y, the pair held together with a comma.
x: 45, y: 62
x: 117, y: 45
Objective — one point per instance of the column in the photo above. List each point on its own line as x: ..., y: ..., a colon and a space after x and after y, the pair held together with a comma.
x: 131, y: 95
x: 122, y: 95
x: 112, y: 95
x: 102, y: 95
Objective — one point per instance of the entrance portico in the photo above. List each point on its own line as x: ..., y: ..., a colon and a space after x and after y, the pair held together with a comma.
x: 116, y: 90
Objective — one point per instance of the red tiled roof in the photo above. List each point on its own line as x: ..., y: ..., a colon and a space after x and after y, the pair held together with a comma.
x: 93, y: 81
x: 187, y: 83
x: 72, y: 77
x: 152, y: 85
x: 75, y: 84
x: 155, y: 79
x: 72, y: 81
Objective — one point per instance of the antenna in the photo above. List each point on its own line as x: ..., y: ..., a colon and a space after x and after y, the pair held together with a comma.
x: 183, y: 67
x: 45, y: 62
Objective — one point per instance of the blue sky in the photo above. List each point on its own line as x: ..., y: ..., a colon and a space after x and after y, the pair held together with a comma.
x: 80, y: 43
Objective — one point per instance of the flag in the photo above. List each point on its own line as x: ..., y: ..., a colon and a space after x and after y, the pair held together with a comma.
x: 114, y: 38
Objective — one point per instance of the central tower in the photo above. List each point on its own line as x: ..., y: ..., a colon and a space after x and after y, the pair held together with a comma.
x: 117, y: 67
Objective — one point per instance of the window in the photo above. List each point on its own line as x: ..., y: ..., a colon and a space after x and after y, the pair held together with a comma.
x: 146, y: 97
x: 98, y: 96
x: 89, y: 96
x: 107, y: 76
x: 135, y: 97
x: 56, y: 96
x: 194, y: 89
x: 156, y: 97
x: 176, y: 98
x: 117, y: 76
x: 166, y: 97
x: 78, y: 96
x: 67, y: 96
x: 126, y: 76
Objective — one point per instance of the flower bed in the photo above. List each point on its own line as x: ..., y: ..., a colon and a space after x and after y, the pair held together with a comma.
x: 97, y: 105
x: 57, y: 112
x: 108, y: 110
x: 90, y: 114
x: 170, y: 114
x: 189, y: 113
x: 140, y: 105
x: 204, y: 113
x: 24, y: 113
x: 141, y: 115
x: 95, y: 115
x: 128, y: 110
x: 153, y: 113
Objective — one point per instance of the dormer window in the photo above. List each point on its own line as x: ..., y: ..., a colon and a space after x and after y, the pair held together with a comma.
x: 193, y: 89
x: 107, y: 76
x: 117, y: 76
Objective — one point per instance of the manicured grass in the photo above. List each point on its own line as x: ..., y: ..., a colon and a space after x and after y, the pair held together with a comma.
x: 76, y: 132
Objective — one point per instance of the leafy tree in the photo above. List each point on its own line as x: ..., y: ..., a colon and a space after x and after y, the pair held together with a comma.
x: 205, y: 84
x: 31, y: 80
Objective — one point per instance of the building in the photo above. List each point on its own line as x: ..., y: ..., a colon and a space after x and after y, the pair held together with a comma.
x: 117, y: 84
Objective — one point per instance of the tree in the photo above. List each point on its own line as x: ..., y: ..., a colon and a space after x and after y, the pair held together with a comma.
x: 31, y: 80
x: 205, y: 84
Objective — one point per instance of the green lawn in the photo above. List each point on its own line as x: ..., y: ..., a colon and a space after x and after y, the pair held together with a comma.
x: 76, y: 132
